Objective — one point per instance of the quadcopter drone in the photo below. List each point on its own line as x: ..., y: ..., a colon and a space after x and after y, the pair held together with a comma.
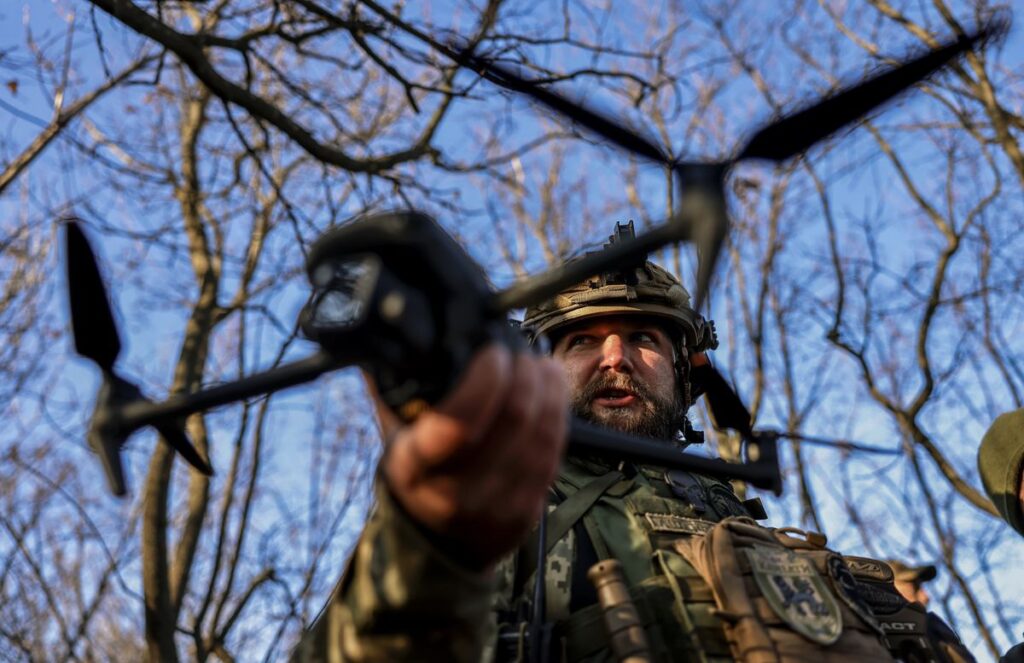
x: 396, y: 295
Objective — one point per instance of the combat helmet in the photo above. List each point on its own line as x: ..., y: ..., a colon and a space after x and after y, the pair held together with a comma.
x: 644, y: 289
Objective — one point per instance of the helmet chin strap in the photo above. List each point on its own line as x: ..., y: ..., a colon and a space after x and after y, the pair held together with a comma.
x: 681, y: 364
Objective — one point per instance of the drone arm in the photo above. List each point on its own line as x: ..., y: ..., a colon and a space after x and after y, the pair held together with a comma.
x: 761, y: 471
x: 141, y: 413
x: 551, y: 282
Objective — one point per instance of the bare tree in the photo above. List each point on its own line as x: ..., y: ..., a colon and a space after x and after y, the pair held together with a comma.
x: 870, y: 300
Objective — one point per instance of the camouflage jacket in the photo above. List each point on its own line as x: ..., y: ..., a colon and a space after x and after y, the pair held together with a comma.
x: 402, y: 599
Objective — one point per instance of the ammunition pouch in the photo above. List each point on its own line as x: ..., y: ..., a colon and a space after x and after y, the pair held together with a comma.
x: 782, y: 599
x: 731, y: 590
x: 912, y: 633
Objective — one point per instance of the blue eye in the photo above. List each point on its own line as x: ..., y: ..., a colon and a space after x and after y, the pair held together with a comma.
x: 643, y: 337
x: 579, y: 339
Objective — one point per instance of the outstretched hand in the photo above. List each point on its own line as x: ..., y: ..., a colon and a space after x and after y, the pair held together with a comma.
x: 476, y: 469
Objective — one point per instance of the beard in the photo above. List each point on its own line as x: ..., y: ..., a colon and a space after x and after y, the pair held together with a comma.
x: 656, y: 417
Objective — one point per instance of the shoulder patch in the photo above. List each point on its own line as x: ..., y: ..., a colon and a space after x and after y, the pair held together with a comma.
x: 796, y: 593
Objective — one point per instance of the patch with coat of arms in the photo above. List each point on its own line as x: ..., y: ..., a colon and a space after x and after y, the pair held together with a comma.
x: 796, y: 593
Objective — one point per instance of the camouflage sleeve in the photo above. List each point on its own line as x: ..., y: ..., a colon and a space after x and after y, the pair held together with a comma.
x: 401, y: 599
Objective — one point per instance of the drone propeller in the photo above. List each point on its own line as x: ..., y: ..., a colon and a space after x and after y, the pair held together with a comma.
x: 783, y: 138
x: 97, y: 339
x: 701, y: 217
x: 724, y: 404
x: 795, y: 133
x: 92, y: 320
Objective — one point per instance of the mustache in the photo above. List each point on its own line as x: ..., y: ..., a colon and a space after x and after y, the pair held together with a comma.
x: 619, y: 381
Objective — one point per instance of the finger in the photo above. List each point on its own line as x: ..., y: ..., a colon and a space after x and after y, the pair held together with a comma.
x: 457, y: 423
x: 549, y: 434
x: 527, y: 442
x: 503, y: 452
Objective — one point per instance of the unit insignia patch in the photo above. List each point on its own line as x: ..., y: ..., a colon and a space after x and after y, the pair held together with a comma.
x: 796, y: 593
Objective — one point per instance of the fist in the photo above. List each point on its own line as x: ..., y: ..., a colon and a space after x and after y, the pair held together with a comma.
x: 475, y: 470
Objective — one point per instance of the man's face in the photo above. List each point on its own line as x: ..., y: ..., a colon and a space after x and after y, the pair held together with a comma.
x: 913, y: 590
x: 621, y: 374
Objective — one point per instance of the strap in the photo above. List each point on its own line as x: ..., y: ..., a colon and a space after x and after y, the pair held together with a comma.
x: 566, y: 514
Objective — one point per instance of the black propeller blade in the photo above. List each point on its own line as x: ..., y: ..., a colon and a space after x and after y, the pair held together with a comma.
x: 796, y: 132
x: 175, y: 436
x: 92, y: 320
x: 615, y: 132
x: 96, y: 338
x: 105, y: 437
x: 724, y: 405
x: 782, y: 139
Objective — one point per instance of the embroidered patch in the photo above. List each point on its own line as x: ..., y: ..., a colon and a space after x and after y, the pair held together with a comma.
x: 845, y: 586
x: 865, y: 568
x: 796, y: 593
x: 667, y: 522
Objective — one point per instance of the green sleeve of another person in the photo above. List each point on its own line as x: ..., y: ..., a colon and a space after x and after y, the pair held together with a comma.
x: 1000, y: 462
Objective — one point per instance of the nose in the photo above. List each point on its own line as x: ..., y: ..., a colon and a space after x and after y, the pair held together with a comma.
x: 615, y: 354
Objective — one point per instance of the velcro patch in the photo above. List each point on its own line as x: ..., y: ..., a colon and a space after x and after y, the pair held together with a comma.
x: 901, y: 626
x: 866, y: 568
x: 667, y: 522
x: 796, y: 593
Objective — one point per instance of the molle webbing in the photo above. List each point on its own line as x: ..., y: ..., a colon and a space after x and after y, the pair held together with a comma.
x: 586, y: 639
x: 567, y: 514
x: 780, y: 598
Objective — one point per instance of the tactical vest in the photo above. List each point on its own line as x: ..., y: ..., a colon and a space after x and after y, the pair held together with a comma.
x: 779, y: 596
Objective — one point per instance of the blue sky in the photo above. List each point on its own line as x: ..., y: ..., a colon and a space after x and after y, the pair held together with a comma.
x: 150, y: 283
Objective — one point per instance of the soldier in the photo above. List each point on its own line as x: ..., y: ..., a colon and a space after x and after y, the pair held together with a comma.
x: 441, y: 573
x: 910, y: 580
x: 1001, y: 464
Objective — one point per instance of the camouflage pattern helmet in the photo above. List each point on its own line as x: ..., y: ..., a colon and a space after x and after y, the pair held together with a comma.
x: 645, y: 289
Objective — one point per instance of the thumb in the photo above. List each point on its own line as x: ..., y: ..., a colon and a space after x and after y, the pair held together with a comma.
x: 466, y: 414
x: 481, y: 389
